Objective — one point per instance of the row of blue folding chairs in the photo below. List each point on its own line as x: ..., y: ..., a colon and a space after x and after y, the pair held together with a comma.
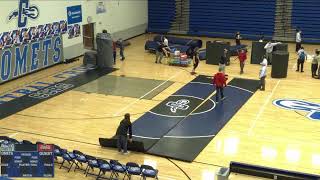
x: 114, y: 167
x: 79, y: 160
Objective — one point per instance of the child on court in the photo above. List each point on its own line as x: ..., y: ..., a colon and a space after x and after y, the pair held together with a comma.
x: 314, y: 63
x: 302, y: 56
x: 263, y: 74
x: 242, y: 56
x: 220, y: 81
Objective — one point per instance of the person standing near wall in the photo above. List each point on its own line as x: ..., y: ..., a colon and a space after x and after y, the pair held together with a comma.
x: 220, y: 81
x: 302, y: 56
x: 263, y: 74
x: 121, y: 46
x: 269, y: 48
x: 223, y: 61
x: 114, y: 50
x: 124, y: 128
x: 314, y: 63
x: 238, y: 38
x: 298, y: 40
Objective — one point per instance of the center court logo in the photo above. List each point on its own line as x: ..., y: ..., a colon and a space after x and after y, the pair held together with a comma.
x: 312, y: 109
x: 180, y: 104
x: 24, y: 12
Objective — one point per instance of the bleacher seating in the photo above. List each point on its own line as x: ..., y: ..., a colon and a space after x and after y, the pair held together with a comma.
x: 161, y: 15
x: 305, y: 16
x: 223, y: 18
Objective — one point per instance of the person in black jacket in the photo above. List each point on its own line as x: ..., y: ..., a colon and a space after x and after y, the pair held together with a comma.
x: 122, y: 131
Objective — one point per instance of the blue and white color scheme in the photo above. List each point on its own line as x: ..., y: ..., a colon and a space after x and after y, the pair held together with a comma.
x: 20, y: 60
x: 24, y: 12
x: 311, y: 108
x: 74, y: 14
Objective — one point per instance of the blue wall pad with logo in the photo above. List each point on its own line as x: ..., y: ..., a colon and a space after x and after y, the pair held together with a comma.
x: 154, y: 124
x: 191, y: 134
x: 46, y: 93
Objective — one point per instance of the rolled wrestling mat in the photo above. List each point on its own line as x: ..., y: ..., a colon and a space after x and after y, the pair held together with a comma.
x: 181, y: 41
x: 257, y: 52
x: 151, y: 45
x: 90, y: 58
x: 281, y: 47
x: 104, y: 50
x: 202, y: 54
x: 215, y: 50
x: 280, y: 61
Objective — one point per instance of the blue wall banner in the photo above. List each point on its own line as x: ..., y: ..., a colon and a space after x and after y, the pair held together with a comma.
x: 74, y: 14
x: 26, y: 58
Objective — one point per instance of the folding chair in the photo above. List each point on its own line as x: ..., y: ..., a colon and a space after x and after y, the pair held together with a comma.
x: 26, y: 142
x: 92, y: 163
x: 58, y: 152
x: 70, y: 158
x: 117, y: 168
x: 133, y: 169
x: 80, y: 159
x: 104, y: 167
x: 148, y: 172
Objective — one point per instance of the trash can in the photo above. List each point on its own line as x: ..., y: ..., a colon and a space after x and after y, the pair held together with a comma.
x: 223, y: 173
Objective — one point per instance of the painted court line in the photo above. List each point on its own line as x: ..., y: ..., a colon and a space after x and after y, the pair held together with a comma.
x: 189, y: 137
x: 240, y: 88
x: 144, y: 137
x: 13, y: 135
x: 262, y: 109
x: 132, y: 103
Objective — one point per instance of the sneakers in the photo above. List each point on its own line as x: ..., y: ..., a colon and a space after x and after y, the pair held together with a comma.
x: 126, y: 153
x: 223, y: 98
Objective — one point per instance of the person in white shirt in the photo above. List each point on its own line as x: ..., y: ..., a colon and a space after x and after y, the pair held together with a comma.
x: 298, y: 40
x: 165, y: 41
x: 238, y: 37
x: 263, y: 74
x: 269, y: 48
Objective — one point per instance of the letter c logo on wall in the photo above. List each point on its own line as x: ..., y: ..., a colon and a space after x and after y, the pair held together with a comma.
x: 311, y: 108
x: 24, y: 12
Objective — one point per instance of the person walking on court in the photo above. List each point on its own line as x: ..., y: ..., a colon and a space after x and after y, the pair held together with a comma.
x: 302, y: 56
x: 124, y: 128
x: 269, y: 48
x: 223, y: 61
x: 263, y: 74
x: 220, y: 81
x: 114, y: 50
x: 298, y: 40
x: 121, y: 47
x: 160, y: 51
x: 196, y: 60
x: 242, y: 56
x: 238, y: 38
x: 314, y: 63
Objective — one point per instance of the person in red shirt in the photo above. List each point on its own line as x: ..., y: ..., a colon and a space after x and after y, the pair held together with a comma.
x: 114, y: 49
x: 220, y: 81
x: 242, y: 56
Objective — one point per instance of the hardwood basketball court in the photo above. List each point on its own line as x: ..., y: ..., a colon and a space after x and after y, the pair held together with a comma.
x: 260, y: 133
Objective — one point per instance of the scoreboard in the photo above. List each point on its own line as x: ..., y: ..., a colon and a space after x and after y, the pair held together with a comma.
x: 27, y: 160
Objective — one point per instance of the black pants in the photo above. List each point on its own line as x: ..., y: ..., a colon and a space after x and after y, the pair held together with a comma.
x: 238, y: 42
x: 241, y: 67
x: 314, y: 68
x: 196, y: 63
x: 262, y: 84
x: 300, y: 62
x: 219, y: 91
x: 122, y: 143
x: 114, y: 56
x: 298, y: 46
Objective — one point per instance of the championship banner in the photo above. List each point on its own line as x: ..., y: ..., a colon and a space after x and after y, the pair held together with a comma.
x: 22, y: 59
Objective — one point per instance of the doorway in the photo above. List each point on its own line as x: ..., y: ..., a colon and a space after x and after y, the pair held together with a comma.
x: 88, y: 36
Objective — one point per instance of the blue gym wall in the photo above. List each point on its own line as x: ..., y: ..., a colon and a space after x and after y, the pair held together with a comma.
x: 222, y: 18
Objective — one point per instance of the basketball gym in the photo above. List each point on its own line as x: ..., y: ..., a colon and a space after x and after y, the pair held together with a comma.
x: 61, y: 88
